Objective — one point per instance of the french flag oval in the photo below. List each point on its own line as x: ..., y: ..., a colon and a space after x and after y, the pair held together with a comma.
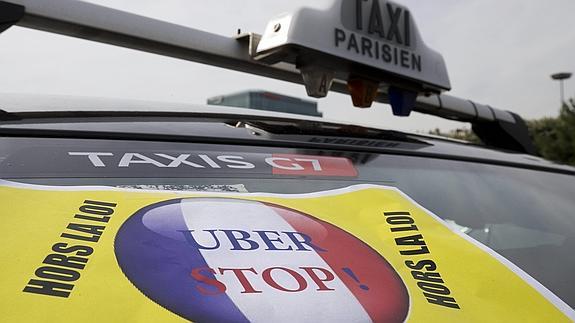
x: 233, y: 260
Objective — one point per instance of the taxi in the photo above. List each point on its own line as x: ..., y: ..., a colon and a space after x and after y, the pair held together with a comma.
x: 129, y: 211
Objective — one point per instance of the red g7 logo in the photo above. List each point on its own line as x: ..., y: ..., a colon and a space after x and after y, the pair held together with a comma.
x: 283, y: 164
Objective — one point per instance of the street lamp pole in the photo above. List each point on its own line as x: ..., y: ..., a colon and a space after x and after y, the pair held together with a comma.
x: 561, y: 77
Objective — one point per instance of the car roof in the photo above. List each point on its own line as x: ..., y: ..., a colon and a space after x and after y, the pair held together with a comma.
x: 409, y: 144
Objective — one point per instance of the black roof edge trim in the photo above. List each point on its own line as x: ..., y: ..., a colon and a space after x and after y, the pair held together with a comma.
x: 10, y: 14
x: 81, y: 134
x: 8, y: 116
x: 505, y: 135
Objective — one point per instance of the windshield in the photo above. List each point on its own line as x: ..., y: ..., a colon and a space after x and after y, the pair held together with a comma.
x: 527, y: 216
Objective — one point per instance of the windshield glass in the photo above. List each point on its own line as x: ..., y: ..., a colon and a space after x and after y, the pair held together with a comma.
x: 527, y: 216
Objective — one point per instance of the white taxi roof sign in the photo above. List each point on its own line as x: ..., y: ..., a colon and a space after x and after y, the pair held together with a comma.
x: 105, y: 25
x: 377, y: 39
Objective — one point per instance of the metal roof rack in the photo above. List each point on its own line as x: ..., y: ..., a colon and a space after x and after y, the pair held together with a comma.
x: 498, y: 128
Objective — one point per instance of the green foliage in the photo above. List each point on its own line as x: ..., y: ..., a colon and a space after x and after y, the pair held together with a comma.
x: 459, y: 134
x: 555, y: 137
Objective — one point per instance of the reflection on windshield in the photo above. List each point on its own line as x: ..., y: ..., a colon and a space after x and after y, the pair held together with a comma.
x: 509, y: 236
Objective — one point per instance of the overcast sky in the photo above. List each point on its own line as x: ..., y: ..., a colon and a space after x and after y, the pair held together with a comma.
x: 497, y: 52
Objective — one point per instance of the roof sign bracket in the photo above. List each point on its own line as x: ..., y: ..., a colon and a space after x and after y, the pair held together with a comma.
x: 252, y: 39
x: 10, y: 14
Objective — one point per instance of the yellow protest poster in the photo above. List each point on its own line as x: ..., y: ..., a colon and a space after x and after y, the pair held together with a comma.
x: 357, y: 254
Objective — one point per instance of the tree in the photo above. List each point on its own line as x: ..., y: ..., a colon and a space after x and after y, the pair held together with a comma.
x: 555, y: 137
x: 459, y: 134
